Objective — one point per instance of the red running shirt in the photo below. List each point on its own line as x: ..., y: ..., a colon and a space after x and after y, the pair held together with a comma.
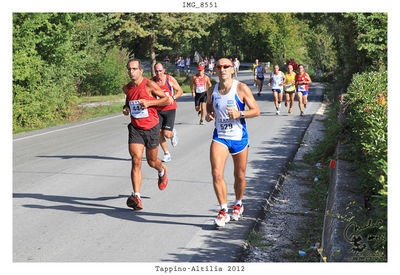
x: 144, y: 119
x: 169, y: 91
x: 299, y: 82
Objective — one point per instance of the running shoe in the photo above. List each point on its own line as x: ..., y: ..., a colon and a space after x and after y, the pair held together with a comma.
x: 302, y: 113
x: 134, y: 202
x: 222, y: 219
x: 237, y: 212
x: 277, y: 113
x: 163, y: 181
x: 286, y: 104
x: 259, y: 93
x: 174, y: 139
x: 167, y: 157
x: 199, y: 113
x: 201, y: 122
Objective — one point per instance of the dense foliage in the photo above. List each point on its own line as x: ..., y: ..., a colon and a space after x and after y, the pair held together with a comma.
x: 366, y: 130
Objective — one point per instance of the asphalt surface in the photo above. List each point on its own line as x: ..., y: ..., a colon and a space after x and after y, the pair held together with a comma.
x: 70, y: 185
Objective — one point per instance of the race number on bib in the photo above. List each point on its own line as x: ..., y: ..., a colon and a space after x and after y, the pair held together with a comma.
x: 136, y: 109
x: 200, y: 89
x: 301, y: 88
x: 288, y: 87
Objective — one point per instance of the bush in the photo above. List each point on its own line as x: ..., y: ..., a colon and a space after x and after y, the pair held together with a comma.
x: 366, y: 129
x: 106, y: 76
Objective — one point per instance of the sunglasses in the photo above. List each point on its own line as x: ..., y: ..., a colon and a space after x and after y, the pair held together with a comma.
x: 223, y: 66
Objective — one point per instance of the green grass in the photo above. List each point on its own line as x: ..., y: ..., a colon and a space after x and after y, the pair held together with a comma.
x: 79, y: 114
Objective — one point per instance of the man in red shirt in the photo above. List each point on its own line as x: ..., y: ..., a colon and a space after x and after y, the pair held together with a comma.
x: 144, y: 129
x: 199, y: 85
x: 166, y: 114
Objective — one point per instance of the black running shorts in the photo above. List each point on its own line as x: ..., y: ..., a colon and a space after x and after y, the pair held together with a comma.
x: 167, y: 119
x: 149, y: 138
x: 200, y: 97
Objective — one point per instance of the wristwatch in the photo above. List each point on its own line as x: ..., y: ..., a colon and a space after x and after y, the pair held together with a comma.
x: 174, y: 97
x: 241, y: 114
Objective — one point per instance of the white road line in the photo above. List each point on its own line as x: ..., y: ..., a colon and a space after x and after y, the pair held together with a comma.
x: 62, y: 129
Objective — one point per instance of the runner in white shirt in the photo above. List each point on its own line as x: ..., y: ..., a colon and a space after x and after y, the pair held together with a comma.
x: 225, y: 105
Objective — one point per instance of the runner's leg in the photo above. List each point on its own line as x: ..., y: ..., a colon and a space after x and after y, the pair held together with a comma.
x: 300, y: 98
x: 218, y: 156
x: 136, y: 152
x: 153, y: 160
x: 240, y: 163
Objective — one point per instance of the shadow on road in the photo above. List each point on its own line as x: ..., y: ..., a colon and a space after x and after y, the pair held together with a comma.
x: 77, y: 204
x: 85, y: 157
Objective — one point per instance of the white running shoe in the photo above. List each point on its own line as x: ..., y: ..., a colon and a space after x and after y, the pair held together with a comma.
x: 222, y: 219
x: 278, y: 113
x: 237, y: 212
x: 167, y: 157
x: 174, y: 139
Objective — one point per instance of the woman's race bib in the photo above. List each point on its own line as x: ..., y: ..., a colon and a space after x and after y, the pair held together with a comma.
x: 136, y: 109
x: 301, y: 88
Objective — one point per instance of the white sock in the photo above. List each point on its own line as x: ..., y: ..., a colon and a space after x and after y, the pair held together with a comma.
x: 137, y: 194
x: 224, y: 207
x: 166, y: 153
x: 162, y: 173
x: 238, y: 202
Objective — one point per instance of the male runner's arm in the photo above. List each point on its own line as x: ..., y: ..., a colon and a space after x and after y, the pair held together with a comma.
x: 270, y: 80
x: 191, y: 86
x: 154, y: 90
x: 209, y: 106
x: 308, y: 78
x: 175, y: 85
x: 284, y: 78
x: 125, y: 109
x: 209, y: 84
x: 247, y: 97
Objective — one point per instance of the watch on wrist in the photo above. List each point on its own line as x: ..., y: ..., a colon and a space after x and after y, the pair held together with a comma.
x: 174, y: 97
x: 241, y: 114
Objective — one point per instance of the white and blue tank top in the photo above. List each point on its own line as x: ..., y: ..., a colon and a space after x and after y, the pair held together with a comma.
x: 225, y: 127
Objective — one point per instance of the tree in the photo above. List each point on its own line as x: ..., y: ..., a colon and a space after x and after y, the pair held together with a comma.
x: 161, y: 31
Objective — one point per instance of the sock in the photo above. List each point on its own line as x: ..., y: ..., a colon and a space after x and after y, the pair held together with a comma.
x: 224, y: 207
x: 162, y: 173
x: 166, y: 153
x: 238, y: 202
x: 137, y: 194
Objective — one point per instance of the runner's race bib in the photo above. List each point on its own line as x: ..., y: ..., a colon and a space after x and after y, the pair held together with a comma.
x: 200, y: 89
x: 136, y: 109
x: 301, y: 88
x: 288, y: 87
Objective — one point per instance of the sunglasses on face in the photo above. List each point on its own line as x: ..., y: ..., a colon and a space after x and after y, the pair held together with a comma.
x: 223, y: 66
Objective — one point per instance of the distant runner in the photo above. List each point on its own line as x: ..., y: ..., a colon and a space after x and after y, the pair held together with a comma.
x: 236, y: 64
x: 276, y: 81
x: 225, y: 104
x: 302, y: 81
x: 259, y: 78
x: 290, y: 87
x: 199, y: 85
x: 254, y: 71
x: 167, y: 113
x: 144, y: 129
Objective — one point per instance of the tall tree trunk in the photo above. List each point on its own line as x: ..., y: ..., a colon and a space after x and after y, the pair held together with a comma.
x: 152, y: 53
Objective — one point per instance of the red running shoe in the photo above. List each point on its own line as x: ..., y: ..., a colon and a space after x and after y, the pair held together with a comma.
x: 134, y: 202
x: 163, y: 181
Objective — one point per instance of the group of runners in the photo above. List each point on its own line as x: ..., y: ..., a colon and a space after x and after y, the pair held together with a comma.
x: 151, y: 105
x: 294, y: 80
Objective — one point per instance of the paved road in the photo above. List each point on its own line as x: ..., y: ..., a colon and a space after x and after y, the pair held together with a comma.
x: 70, y: 185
